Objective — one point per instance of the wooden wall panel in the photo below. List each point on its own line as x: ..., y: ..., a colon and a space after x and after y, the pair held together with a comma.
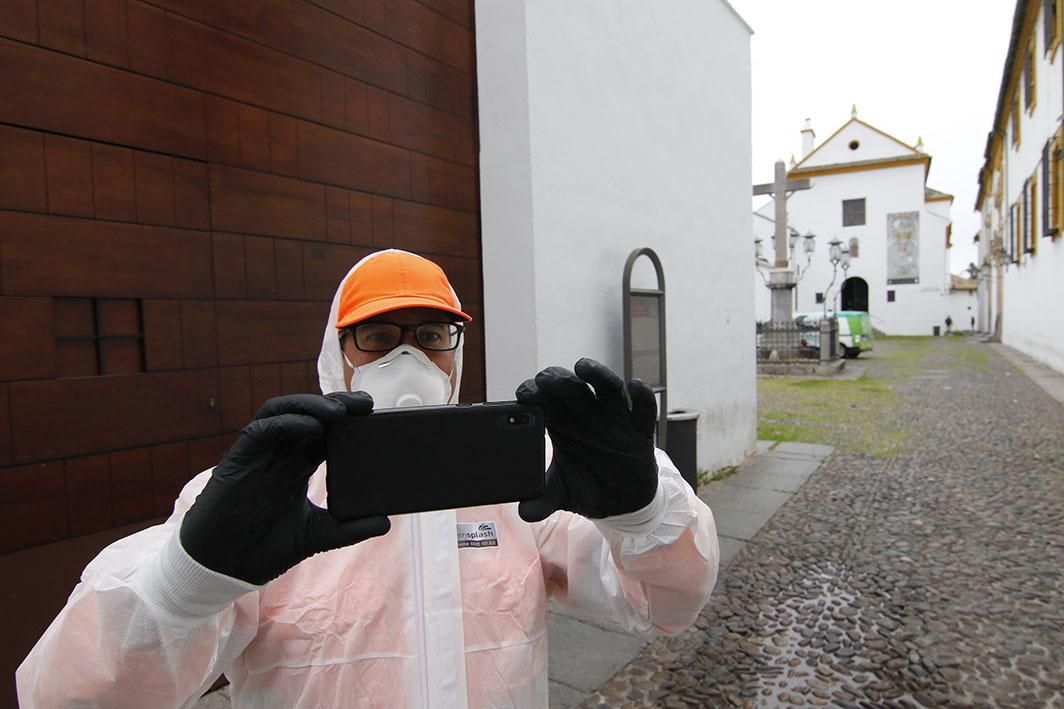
x: 22, y: 175
x: 338, y: 158
x: 131, y: 493
x: 260, y: 267
x: 88, y: 494
x: 199, y: 174
x: 419, y: 227
x: 430, y: 130
x: 438, y: 85
x: 68, y: 164
x: 460, y: 11
x: 265, y: 383
x: 19, y: 20
x: 288, y: 256
x: 169, y: 473
x: 32, y: 506
x: 249, y: 331
x: 155, y: 188
x: 229, y: 273
x: 126, y: 109
x: 105, y: 32
x: 61, y: 25
x: 5, y: 428
x: 235, y: 387
x: 346, y: 47
x: 162, y: 335
x: 113, y: 187
x: 418, y: 27
x: 324, y: 265
x: 250, y: 154
x: 191, y: 203
x: 60, y: 256
x: 199, y: 334
x: 223, y: 64
x: 257, y: 203
x: 27, y: 349
x: 97, y: 414
x: 146, y: 32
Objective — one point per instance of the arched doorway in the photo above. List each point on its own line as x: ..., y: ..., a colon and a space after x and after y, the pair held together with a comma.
x: 855, y: 294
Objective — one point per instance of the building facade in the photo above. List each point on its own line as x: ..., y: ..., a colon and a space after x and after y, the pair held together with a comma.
x: 868, y: 190
x: 1021, y: 250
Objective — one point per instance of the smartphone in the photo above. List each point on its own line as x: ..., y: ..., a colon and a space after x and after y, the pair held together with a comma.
x: 421, y: 458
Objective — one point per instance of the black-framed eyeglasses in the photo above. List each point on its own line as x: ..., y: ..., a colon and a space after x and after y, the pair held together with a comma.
x: 386, y: 336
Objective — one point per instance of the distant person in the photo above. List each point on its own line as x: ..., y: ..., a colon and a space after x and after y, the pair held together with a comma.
x: 973, y: 323
x: 949, y: 324
x: 252, y: 578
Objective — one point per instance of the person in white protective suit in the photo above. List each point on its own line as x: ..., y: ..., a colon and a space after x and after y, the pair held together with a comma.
x: 252, y: 578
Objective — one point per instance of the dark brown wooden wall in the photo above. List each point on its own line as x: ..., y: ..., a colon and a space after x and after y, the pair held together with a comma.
x: 182, y: 185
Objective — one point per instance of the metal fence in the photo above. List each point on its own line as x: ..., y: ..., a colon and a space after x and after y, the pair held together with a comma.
x: 797, y: 342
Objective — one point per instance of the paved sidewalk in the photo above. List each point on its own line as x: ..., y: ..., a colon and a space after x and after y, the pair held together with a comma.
x: 1051, y: 381
x: 584, y: 655
x: 921, y: 575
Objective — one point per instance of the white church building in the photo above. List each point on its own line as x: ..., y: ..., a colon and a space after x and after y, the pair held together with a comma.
x: 868, y: 190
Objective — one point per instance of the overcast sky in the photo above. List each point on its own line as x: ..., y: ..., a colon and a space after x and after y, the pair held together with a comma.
x: 914, y: 68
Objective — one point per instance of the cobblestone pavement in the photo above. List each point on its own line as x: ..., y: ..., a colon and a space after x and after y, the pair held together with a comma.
x: 931, y: 578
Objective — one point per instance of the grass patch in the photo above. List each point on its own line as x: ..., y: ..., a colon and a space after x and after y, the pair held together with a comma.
x: 972, y: 359
x: 847, y: 414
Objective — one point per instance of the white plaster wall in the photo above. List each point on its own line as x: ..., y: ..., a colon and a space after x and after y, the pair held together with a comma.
x: 1038, y: 124
x: 1034, y: 291
x: 606, y: 126
x: 872, y: 145
x: 962, y: 306
x: 1031, y: 319
x: 917, y: 307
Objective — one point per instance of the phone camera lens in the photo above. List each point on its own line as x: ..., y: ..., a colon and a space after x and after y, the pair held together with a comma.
x: 517, y: 419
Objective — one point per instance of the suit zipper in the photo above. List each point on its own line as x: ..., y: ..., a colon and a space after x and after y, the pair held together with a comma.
x: 419, y: 613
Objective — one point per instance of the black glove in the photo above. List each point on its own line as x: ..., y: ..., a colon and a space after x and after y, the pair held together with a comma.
x: 604, y: 462
x: 253, y: 520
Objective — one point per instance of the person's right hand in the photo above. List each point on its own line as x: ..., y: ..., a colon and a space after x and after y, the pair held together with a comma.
x: 253, y: 520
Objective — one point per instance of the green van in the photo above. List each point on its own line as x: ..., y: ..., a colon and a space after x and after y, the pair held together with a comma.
x: 855, y: 330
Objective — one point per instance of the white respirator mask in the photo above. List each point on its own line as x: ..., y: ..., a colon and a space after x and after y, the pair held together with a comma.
x: 403, y: 377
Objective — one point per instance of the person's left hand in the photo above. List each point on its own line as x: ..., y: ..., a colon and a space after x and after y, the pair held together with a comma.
x: 603, y: 437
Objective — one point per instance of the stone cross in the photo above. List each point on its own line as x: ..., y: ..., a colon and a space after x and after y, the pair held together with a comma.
x: 781, y: 279
x: 780, y: 188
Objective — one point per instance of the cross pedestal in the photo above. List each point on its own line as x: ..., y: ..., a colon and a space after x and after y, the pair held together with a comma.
x: 782, y: 279
x: 781, y: 283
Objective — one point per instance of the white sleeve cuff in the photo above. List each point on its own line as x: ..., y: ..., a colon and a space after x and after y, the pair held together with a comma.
x: 179, y: 585
x: 642, y: 521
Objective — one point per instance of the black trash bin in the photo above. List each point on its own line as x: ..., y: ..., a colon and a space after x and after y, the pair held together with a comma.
x: 682, y: 443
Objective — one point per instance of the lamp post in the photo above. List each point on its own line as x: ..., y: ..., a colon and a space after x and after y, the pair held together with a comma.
x: 835, y: 255
x: 808, y: 246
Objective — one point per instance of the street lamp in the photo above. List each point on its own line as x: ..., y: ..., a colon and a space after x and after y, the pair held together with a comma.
x: 808, y: 246
x: 835, y: 251
x: 835, y: 255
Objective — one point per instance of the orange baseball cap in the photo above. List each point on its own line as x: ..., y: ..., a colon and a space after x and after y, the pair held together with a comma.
x: 392, y: 280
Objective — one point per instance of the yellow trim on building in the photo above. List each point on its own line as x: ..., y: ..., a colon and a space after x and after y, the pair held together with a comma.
x: 842, y: 128
x: 840, y: 168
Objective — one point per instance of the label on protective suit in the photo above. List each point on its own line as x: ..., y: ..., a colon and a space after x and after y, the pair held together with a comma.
x: 477, y: 534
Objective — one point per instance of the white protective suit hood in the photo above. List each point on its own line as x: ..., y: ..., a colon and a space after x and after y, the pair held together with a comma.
x: 331, y: 361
